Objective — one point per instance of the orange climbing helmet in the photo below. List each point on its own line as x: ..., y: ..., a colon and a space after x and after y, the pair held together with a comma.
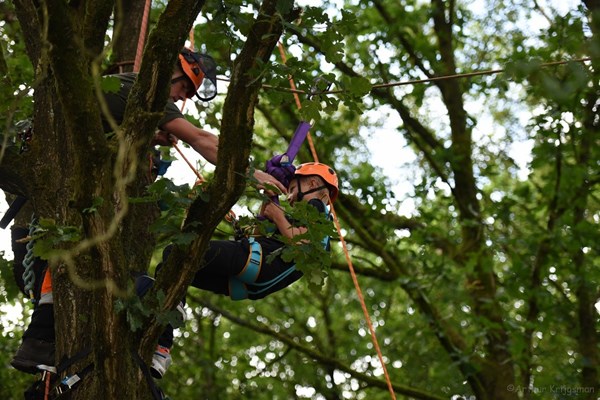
x: 201, y: 70
x: 325, y: 172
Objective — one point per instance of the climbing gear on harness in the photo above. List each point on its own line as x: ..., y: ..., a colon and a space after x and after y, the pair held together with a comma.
x: 238, y: 232
x: 40, y: 389
x: 29, y: 262
x: 196, y: 67
x: 49, y: 387
x: 239, y: 284
x: 323, y: 171
x: 24, y: 134
x: 252, y: 268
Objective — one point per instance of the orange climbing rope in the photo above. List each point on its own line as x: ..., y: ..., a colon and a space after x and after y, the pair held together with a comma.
x: 47, y: 386
x: 142, y: 36
x: 345, y: 248
x: 196, y: 172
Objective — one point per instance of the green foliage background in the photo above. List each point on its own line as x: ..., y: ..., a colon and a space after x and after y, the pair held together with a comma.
x: 405, y: 228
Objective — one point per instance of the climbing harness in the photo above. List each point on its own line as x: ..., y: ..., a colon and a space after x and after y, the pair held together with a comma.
x: 238, y: 285
x: 252, y: 269
x: 51, y: 387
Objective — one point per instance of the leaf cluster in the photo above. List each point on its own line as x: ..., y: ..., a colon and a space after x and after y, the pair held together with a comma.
x: 307, y: 250
x: 137, y: 311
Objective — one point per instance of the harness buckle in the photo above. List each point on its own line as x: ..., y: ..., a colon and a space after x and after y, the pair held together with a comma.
x: 70, y: 381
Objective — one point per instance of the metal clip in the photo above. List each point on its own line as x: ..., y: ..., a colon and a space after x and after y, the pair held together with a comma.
x: 25, y: 134
x: 70, y: 381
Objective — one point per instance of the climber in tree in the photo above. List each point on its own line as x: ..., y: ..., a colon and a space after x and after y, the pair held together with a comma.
x: 248, y: 268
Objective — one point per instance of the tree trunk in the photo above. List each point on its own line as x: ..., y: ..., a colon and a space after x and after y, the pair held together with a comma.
x: 91, y: 276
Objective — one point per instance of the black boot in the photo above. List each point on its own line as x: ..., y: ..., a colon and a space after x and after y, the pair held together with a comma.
x: 38, y: 345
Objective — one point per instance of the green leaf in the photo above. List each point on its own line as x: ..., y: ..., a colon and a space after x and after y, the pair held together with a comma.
x: 284, y: 6
x: 110, y: 84
x: 97, y: 202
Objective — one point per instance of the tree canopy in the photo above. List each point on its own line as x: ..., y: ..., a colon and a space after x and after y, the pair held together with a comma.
x: 475, y: 242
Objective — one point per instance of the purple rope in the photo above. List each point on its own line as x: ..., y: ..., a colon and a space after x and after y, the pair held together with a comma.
x: 280, y: 166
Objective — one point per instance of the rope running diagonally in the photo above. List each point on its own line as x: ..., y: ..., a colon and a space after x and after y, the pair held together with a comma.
x: 420, y: 81
x: 348, y: 259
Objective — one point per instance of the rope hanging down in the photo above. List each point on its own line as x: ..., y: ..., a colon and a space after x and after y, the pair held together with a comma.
x: 142, y: 37
x: 347, y: 254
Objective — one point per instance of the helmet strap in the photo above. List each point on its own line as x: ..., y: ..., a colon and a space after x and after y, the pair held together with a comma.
x: 301, y: 194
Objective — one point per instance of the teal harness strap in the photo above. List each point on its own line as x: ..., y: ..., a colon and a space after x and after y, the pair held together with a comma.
x: 237, y: 289
x: 237, y: 284
x: 252, y: 268
x: 268, y: 285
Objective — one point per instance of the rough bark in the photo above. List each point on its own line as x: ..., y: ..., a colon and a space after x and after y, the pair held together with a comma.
x: 71, y: 163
